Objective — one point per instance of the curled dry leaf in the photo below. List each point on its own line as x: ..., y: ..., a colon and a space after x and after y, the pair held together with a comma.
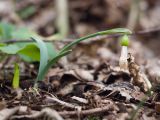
x: 123, y: 91
x: 81, y: 74
x: 71, y: 78
x: 139, y: 78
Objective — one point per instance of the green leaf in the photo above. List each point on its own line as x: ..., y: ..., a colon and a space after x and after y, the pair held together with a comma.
x: 27, y: 51
x: 15, y: 82
x: 9, y: 31
x: 22, y: 33
x: 51, y: 50
x: 1, y: 32
x: 31, y: 51
x: 43, y: 57
x: 106, y: 32
x: 53, y: 61
x: 6, y: 30
x: 10, y: 49
x: 2, y: 44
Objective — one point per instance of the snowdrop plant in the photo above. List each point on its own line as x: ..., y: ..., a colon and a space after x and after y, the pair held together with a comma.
x: 123, y: 63
x: 45, y: 63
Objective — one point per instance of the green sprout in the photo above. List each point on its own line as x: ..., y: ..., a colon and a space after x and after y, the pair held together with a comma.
x: 45, y: 64
x: 15, y: 82
x: 124, y: 40
x: 123, y: 63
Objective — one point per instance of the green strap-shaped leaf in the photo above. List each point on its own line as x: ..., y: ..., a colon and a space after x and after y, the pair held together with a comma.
x: 67, y: 49
x: 43, y: 57
x: 15, y: 82
x: 53, y: 61
x: 106, y: 32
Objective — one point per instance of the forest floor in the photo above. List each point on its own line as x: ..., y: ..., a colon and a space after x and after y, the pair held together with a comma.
x: 86, y: 84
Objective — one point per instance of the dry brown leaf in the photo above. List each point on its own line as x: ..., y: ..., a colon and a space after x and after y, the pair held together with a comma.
x: 81, y: 74
x: 139, y: 78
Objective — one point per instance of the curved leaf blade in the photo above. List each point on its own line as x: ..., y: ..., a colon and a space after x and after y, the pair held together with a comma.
x: 43, y: 57
x: 106, y: 32
x: 53, y: 61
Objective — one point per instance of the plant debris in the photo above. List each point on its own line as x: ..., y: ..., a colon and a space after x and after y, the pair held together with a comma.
x: 90, y: 83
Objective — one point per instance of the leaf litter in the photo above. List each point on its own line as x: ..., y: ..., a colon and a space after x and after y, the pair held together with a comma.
x: 88, y: 85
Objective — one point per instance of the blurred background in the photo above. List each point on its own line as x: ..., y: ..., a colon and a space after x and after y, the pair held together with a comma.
x: 62, y: 19
x: 82, y: 16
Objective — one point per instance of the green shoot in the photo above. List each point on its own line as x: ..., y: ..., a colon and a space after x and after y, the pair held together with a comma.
x: 15, y: 82
x: 124, y: 53
x: 45, y: 65
x: 124, y: 40
x: 43, y: 57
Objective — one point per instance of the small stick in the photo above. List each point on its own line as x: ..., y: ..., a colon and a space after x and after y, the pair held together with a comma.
x: 89, y: 112
x: 54, y: 99
x: 82, y: 100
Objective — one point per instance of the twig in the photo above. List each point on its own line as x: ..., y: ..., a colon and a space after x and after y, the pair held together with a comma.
x: 89, y: 112
x: 54, y: 99
x: 82, y: 100
x: 78, y: 108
